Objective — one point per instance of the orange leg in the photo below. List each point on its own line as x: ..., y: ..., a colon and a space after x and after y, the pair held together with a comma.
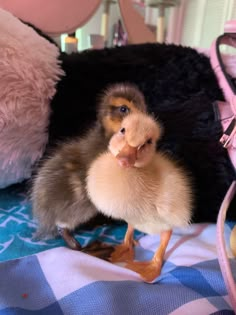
x: 124, y: 251
x: 149, y: 270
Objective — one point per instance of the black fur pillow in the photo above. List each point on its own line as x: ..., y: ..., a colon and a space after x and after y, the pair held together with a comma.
x: 180, y: 88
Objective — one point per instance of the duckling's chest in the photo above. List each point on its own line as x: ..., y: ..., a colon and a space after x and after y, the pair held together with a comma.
x: 119, y: 192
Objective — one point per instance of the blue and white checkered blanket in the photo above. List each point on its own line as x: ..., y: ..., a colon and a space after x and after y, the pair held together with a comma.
x: 47, y: 278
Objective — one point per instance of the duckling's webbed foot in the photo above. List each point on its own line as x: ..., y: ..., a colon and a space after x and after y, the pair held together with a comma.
x: 125, y: 251
x: 122, y: 253
x: 69, y: 238
x: 148, y: 270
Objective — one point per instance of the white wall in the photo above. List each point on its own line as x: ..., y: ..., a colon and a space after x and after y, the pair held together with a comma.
x: 204, y: 21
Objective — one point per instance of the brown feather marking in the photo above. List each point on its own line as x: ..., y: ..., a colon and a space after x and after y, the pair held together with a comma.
x: 112, y: 121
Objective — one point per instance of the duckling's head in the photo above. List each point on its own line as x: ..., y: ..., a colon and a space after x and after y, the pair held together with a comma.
x: 117, y: 101
x: 135, y: 143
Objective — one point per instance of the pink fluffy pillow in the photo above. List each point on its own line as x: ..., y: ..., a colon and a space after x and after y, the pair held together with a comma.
x: 29, y: 72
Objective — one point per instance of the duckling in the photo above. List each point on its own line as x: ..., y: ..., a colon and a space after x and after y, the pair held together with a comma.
x: 145, y: 188
x: 58, y: 194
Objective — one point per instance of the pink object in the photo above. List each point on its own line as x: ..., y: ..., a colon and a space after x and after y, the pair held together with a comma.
x: 137, y: 32
x: 53, y: 16
x: 221, y: 248
x: 29, y: 71
x: 230, y: 27
x: 227, y: 112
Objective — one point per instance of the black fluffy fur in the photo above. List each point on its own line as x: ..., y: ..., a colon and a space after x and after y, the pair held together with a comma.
x: 179, y: 87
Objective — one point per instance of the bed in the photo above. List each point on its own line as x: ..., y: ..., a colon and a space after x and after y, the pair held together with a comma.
x: 45, y: 277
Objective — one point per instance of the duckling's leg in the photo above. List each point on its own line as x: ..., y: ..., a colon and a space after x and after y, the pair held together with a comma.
x: 124, y: 251
x: 69, y: 238
x: 149, y: 270
x: 96, y: 249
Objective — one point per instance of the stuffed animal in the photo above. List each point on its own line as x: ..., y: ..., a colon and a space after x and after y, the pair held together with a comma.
x: 30, y: 70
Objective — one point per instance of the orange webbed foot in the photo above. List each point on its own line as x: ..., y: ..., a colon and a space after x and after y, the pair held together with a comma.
x: 125, y: 251
x: 122, y: 253
x: 148, y: 270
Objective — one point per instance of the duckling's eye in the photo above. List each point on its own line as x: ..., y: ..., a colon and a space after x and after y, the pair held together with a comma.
x: 122, y: 130
x: 149, y: 141
x: 124, y: 109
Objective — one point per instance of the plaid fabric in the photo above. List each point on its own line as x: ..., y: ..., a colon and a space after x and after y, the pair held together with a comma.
x: 62, y: 281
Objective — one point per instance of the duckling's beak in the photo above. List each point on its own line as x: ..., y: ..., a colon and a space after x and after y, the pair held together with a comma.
x: 127, y: 156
